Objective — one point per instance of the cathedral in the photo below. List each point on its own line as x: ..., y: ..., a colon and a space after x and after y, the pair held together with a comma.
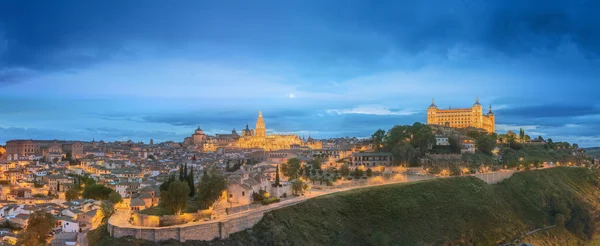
x: 258, y: 138
x: 249, y: 139
x: 462, y: 117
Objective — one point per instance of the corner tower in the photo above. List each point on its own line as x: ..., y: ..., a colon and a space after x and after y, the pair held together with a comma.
x: 260, y: 130
x: 432, y: 113
x: 492, y: 118
x: 477, y: 114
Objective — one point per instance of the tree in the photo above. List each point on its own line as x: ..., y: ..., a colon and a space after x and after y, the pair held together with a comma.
x: 39, y: 225
x: 485, y: 144
x: 96, y: 192
x: 165, y: 185
x: 344, y: 170
x: 454, y: 145
x: 298, y: 186
x: 114, y: 197
x: 358, y: 172
x: 277, y: 181
x: 210, y: 189
x: 185, y: 171
x: 181, y: 174
x: 107, y: 208
x: 190, y: 181
x: 377, y: 138
x: 575, y: 146
x: 176, y: 197
x: 291, y: 168
x: 315, y: 163
x: 422, y: 138
x: 521, y: 134
x: 369, y: 172
x: 72, y: 194
x: 404, y: 153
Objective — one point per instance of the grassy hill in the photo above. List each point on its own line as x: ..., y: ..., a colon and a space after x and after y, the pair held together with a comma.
x: 461, y: 210
x: 452, y: 211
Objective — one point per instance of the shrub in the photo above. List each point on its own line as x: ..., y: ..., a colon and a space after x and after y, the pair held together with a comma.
x: 270, y: 200
x: 284, y: 195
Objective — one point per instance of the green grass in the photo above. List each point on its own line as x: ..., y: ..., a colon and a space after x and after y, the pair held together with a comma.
x: 461, y: 210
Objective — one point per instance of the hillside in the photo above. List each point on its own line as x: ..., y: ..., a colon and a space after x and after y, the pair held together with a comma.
x: 461, y: 210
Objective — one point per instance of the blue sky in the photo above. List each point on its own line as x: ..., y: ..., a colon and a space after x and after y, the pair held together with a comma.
x: 118, y: 70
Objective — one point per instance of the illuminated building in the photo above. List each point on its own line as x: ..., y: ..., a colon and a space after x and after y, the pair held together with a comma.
x: 258, y: 138
x: 462, y: 117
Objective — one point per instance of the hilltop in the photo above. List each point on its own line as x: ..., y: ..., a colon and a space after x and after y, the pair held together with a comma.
x: 462, y: 210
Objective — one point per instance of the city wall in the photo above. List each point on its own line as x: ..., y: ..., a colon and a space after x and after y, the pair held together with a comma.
x: 203, y: 230
x: 145, y: 220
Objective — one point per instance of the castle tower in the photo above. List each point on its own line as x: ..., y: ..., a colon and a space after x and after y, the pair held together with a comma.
x: 477, y: 114
x: 431, y: 113
x: 260, y: 130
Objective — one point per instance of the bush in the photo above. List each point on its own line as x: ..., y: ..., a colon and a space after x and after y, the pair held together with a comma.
x: 270, y: 200
x: 284, y: 195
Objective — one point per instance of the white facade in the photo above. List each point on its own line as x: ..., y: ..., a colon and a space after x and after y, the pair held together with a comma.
x: 70, y: 226
x: 442, y: 141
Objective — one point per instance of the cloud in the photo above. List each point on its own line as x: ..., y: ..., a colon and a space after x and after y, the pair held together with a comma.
x: 372, y: 110
x: 14, y: 75
x: 549, y: 111
x: 292, y: 96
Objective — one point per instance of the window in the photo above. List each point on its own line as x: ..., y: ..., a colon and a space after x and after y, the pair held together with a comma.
x: 243, y: 193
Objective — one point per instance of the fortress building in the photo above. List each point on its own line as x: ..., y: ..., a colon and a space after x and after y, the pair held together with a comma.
x: 462, y: 117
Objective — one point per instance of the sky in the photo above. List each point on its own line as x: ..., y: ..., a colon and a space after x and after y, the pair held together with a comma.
x: 120, y: 70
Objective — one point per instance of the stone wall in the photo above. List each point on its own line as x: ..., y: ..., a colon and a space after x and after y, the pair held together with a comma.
x: 195, y: 230
x: 145, y: 220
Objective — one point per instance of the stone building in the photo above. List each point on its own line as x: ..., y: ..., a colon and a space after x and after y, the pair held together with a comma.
x: 371, y: 159
x: 462, y: 117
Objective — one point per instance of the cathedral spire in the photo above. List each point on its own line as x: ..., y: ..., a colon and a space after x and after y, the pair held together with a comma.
x: 261, y: 130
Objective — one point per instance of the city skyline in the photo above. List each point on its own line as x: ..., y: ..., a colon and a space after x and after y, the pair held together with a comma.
x: 118, y: 71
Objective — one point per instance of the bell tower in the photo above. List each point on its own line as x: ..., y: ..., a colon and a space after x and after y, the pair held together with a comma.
x: 261, y: 131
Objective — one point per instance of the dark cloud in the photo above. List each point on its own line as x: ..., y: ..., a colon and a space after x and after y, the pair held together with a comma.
x: 64, y: 34
x: 14, y: 75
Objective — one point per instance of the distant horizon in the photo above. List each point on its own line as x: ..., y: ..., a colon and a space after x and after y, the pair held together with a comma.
x: 116, y: 70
